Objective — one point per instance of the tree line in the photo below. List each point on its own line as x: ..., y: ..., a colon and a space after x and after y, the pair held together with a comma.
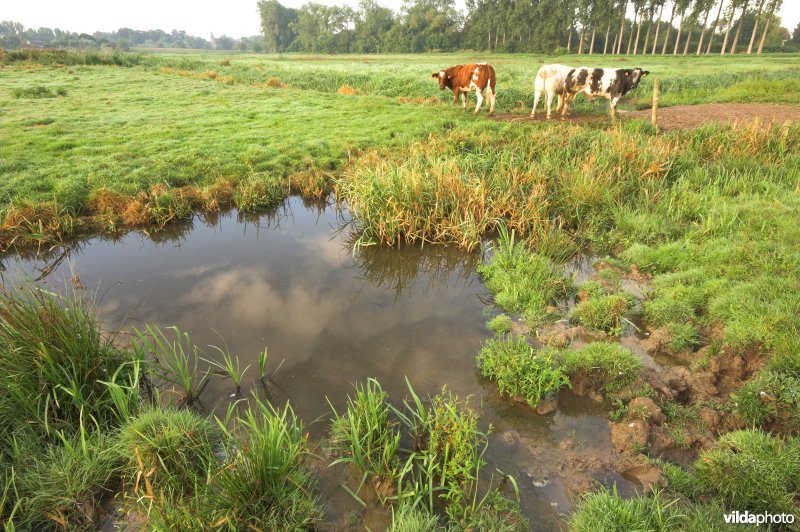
x: 14, y: 35
x: 542, y: 26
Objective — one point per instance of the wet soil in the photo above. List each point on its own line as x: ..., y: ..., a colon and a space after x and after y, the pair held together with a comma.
x: 684, y: 116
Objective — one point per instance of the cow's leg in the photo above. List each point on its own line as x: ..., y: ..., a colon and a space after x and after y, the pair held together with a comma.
x: 614, y: 107
x: 549, y: 102
x: 491, y: 95
x: 560, y: 105
x: 464, y: 100
x: 565, y: 109
x: 455, y: 97
x: 537, y: 95
x: 479, y: 96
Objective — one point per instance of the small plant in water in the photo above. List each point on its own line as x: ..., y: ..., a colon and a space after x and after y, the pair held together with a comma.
x: 366, y: 436
x: 229, y: 367
x: 177, y: 360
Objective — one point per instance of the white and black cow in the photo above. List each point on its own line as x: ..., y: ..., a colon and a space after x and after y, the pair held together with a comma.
x: 550, y: 80
x: 611, y: 83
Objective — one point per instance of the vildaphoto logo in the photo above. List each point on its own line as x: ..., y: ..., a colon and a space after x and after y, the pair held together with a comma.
x: 747, y: 518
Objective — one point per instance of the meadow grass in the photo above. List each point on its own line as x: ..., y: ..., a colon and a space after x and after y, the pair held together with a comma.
x: 519, y: 370
x: 610, y: 367
x: 500, y: 324
x: 602, y: 313
x: 752, y: 470
x: 523, y: 282
x: 606, y: 510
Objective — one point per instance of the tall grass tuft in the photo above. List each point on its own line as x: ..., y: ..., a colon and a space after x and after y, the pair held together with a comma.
x: 264, y: 485
x: 169, y: 449
x: 521, y: 371
x: 64, y: 486
x: 230, y: 367
x: 610, y: 367
x: 365, y: 435
x: 55, y: 362
x: 606, y: 510
x: 752, y: 470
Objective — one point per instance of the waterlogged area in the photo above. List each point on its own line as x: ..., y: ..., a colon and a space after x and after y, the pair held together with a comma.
x: 289, y: 281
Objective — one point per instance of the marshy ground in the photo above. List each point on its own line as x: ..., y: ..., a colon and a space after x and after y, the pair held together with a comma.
x: 630, y: 294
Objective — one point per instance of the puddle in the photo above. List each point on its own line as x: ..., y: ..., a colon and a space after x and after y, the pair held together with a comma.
x: 289, y: 281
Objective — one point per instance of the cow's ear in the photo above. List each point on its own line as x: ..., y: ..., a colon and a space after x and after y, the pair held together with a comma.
x: 436, y: 75
x: 646, y: 72
x: 628, y: 73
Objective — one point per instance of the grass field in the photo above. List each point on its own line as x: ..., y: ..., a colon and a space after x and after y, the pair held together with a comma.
x: 174, y: 120
x: 706, y: 217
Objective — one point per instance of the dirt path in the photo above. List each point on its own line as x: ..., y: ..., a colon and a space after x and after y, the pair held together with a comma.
x: 689, y: 116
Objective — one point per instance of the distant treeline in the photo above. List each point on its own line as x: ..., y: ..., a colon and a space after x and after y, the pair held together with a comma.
x: 542, y: 26
x: 14, y: 35
x: 539, y: 26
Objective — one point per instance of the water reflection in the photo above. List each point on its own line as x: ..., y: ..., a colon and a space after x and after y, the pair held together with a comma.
x: 287, y: 280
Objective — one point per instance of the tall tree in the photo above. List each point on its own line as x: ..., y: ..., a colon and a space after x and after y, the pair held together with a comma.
x: 739, y: 26
x: 706, y: 5
x: 669, y: 27
x: 731, y: 15
x: 658, y: 27
x: 774, y: 5
x: 755, y: 28
x: 714, y: 27
x: 641, y: 8
x: 683, y: 6
x: 622, y: 25
x: 276, y: 25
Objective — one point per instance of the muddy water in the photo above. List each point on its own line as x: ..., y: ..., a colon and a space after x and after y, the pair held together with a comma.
x: 288, y: 281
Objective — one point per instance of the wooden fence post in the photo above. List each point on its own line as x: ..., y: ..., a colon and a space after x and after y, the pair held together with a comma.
x: 654, y: 116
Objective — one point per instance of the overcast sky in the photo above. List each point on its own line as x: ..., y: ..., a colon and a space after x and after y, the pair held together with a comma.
x: 236, y: 18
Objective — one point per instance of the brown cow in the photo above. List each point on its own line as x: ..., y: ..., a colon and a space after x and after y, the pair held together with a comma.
x: 465, y: 78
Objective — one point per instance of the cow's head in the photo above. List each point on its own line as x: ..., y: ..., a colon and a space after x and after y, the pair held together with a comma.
x: 636, y: 76
x: 443, y: 78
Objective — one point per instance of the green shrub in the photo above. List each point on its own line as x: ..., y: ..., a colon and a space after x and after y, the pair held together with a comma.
x: 602, y: 313
x: 169, y: 449
x: 519, y: 370
x: 522, y: 281
x: 500, y: 324
x: 751, y: 470
x: 606, y: 510
x: 611, y: 366
x: 365, y: 436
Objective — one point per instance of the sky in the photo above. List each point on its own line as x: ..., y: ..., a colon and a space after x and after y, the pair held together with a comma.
x: 235, y: 18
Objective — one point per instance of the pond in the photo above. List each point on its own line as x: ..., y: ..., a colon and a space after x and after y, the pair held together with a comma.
x: 289, y: 280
